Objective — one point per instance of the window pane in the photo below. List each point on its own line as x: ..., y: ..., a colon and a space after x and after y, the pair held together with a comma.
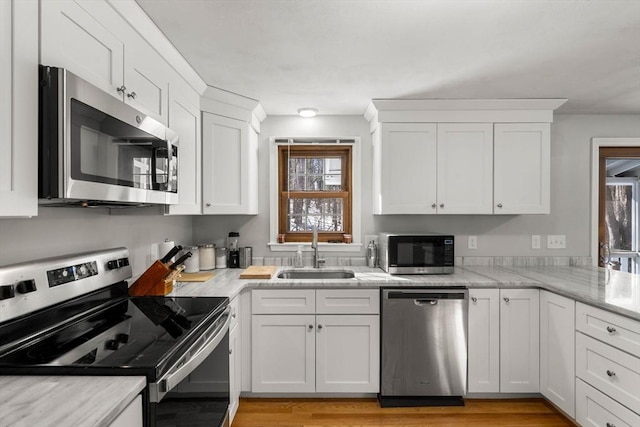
x: 619, y: 216
x: 315, y: 174
x: 326, y: 213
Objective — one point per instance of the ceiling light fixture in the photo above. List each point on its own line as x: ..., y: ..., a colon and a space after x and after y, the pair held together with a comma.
x: 307, y: 112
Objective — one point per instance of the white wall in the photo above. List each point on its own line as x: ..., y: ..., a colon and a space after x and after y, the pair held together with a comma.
x: 67, y: 230
x: 61, y: 231
x: 497, y: 235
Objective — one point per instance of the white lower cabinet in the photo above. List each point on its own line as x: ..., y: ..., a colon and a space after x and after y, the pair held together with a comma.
x: 557, y: 350
x: 131, y: 416
x: 235, y: 372
x: 596, y: 409
x: 504, y: 354
x: 315, y: 352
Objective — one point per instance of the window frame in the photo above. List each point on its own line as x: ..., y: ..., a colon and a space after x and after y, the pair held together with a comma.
x: 356, y: 194
x: 342, y: 151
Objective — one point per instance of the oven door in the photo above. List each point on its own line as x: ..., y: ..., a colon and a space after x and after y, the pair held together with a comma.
x: 195, y: 390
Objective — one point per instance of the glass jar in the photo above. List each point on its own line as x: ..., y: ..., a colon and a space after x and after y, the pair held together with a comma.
x: 221, y: 258
x: 207, y: 257
x: 192, y: 264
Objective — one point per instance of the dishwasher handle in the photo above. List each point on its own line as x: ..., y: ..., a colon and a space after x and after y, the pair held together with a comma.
x: 444, y: 294
x: 421, y: 302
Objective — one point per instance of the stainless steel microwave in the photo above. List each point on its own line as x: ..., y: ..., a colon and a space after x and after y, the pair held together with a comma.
x: 95, y: 150
x: 427, y: 253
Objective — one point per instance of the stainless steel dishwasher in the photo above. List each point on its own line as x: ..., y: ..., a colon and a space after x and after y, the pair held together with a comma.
x: 424, y: 346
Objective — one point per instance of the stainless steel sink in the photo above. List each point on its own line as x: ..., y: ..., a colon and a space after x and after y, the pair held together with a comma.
x: 316, y: 274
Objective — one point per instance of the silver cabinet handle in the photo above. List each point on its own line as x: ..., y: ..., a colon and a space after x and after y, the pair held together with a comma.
x: 442, y: 205
x: 505, y: 299
x: 310, y: 327
x: 474, y: 299
x: 319, y: 327
x: 611, y: 329
x: 132, y: 95
x: 611, y: 373
x: 230, y: 350
x: 121, y: 89
x: 610, y: 425
x: 433, y: 205
x: 499, y: 205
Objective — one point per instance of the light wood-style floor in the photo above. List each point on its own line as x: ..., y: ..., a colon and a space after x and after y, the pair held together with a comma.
x: 254, y: 412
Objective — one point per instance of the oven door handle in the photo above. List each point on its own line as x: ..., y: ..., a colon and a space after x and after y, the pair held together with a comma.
x: 185, y: 366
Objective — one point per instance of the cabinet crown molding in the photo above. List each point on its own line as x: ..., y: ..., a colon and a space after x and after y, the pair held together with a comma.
x: 461, y: 110
x: 224, y: 103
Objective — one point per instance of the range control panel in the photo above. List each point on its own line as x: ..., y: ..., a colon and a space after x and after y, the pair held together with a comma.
x: 60, y: 276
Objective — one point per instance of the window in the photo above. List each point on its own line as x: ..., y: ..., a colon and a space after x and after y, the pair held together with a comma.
x: 315, y: 188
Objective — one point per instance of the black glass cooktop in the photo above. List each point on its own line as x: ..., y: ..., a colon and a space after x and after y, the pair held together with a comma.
x: 125, y: 336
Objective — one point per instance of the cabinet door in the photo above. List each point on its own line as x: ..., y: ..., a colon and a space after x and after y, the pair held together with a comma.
x: 557, y: 350
x: 73, y: 38
x: 131, y: 416
x: 226, y: 177
x: 484, y: 341
x: 283, y: 351
x: 146, y: 78
x: 407, y: 168
x: 465, y: 168
x: 235, y: 374
x: 348, y: 353
x: 519, y: 341
x: 19, y: 106
x: 184, y: 118
x: 522, y: 168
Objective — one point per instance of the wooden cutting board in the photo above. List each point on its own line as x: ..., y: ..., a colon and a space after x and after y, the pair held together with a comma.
x: 258, y: 272
x: 201, y: 276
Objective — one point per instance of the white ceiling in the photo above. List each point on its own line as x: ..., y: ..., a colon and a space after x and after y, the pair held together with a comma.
x: 337, y: 55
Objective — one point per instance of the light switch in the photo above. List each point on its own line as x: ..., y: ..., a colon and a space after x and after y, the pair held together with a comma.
x: 473, y: 242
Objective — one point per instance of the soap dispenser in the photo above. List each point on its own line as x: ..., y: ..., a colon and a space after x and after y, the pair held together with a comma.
x: 298, y: 262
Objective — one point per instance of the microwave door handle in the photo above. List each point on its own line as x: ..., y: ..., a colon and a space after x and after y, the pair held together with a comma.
x: 154, y: 174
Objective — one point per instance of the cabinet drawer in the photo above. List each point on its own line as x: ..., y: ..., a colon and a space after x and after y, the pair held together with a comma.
x: 348, y: 301
x: 616, y: 330
x: 595, y: 409
x: 234, y: 312
x: 283, y: 301
x: 611, y: 371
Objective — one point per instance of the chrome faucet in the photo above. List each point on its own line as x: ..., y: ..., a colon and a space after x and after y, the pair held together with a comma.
x: 314, y: 245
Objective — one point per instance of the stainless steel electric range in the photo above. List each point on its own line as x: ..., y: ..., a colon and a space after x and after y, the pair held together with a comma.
x: 71, y: 315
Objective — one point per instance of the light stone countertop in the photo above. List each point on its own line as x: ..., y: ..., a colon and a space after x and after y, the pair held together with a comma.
x: 610, y: 290
x: 27, y: 401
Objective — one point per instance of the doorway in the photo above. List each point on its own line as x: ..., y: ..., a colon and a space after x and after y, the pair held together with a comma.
x: 618, y: 243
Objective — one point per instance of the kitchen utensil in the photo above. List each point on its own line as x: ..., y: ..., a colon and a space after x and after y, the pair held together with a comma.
x: 173, y: 252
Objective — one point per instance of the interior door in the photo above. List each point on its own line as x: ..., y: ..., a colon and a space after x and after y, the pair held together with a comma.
x: 619, y: 208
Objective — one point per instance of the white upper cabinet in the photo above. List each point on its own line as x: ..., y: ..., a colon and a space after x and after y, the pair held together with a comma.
x: 465, y: 168
x: 19, y: 106
x: 488, y: 156
x: 229, y: 166
x: 406, y: 169
x: 522, y: 168
x: 93, y: 41
x: 184, y: 118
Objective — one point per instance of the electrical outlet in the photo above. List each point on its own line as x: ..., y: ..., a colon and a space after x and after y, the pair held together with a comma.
x: 473, y: 242
x: 558, y: 241
x: 535, y: 241
x: 370, y: 237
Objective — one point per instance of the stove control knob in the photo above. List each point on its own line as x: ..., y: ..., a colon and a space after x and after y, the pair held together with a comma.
x: 111, y: 345
x: 112, y: 265
x: 7, y: 291
x: 26, y: 286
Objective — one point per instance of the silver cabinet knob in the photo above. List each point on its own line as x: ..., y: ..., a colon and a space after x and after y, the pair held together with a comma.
x: 442, y: 205
x: 233, y: 315
x: 132, y: 95
x: 499, y: 205
x: 230, y: 350
x: 505, y: 299
x: 611, y: 329
x: 121, y: 89
x: 310, y: 327
x: 610, y: 425
x: 433, y: 205
x: 208, y: 204
x: 611, y: 373
x: 474, y: 299
x: 319, y: 327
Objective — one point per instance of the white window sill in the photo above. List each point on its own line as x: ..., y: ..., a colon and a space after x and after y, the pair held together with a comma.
x: 322, y: 246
